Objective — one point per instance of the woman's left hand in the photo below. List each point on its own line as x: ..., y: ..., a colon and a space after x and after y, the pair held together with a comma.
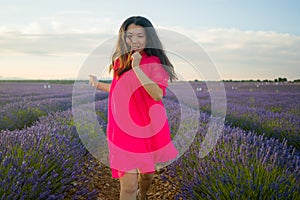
x: 136, y: 59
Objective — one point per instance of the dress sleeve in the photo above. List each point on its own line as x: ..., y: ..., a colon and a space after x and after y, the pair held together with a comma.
x: 160, y: 76
x: 153, y: 68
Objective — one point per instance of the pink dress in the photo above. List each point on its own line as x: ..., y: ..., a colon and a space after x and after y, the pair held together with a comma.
x: 138, y: 131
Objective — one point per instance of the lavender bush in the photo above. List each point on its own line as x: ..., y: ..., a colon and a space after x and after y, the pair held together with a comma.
x: 242, y: 165
x: 12, y: 92
x: 43, y: 161
x: 269, y: 109
x: 20, y: 114
x: 48, y: 160
x: 30, y: 101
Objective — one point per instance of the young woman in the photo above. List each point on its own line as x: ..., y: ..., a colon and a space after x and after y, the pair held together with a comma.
x: 138, y: 132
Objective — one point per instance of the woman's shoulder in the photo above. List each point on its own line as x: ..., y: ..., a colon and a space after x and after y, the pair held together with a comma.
x: 151, y: 59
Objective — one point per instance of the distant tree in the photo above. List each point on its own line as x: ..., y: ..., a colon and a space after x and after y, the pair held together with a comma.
x: 279, y: 79
x: 196, y: 80
x: 297, y: 80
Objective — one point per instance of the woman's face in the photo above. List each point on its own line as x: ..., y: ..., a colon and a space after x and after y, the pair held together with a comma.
x: 136, y: 37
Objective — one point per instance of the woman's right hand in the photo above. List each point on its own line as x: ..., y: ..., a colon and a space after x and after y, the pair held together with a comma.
x: 93, y: 81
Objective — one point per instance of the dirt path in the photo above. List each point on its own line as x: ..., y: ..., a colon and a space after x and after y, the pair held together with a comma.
x: 109, y: 187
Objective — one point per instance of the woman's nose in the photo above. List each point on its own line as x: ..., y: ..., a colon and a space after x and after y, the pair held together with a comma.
x: 133, y: 39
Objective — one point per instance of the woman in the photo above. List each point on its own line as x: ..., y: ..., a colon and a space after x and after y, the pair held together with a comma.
x: 138, y: 132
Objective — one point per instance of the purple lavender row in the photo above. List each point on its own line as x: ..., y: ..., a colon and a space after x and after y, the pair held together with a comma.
x: 272, y: 101
x: 17, y: 115
x: 23, y: 92
x: 44, y: 161
x: 13, y: 92
x: 276, y: 98
x: 242, y: 165
x: 281, y: 125
x: 275, y: 114
x: 24, y: 113
x: 272, y: 124
x: 32, y: 98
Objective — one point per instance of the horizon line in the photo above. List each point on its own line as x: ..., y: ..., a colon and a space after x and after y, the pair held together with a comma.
x: 278, y: 79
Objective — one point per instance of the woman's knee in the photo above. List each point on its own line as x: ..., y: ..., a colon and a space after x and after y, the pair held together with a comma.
x: 129, y: 187
x: 129, y: 183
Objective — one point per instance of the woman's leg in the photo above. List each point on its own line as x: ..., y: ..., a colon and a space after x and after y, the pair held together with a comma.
x: 129, y: 184
x: 145, y: 181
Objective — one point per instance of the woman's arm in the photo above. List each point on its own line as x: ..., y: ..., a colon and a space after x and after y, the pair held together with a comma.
x: 103, y: 86
x: 99, y: 85
x: 151, y: 87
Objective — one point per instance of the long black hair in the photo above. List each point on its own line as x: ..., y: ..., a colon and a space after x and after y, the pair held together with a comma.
x: 153, y: 47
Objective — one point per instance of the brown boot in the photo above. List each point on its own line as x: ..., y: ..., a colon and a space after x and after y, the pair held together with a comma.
x: 145, y: 181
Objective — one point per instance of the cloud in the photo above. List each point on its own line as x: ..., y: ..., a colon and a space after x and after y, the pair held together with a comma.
x: 237, y: 53
x: 68, y: 32
x: 249, y: 54
x: 78, y: 22
x: 49, y: 44
x: 33, y: 28
x: 250, y: 44
x: 75, y: 12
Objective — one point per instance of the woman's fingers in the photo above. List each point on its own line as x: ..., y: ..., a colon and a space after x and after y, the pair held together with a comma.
x: 136, y: 58
x: 93, y: 80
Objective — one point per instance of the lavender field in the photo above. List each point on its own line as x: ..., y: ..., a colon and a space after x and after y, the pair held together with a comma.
x: 256, y: 157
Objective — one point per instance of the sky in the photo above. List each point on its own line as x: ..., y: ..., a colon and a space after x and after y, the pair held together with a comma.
x: 243, y: 39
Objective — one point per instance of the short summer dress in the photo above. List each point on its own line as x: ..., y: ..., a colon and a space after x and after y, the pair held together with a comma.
x: 138, y: 132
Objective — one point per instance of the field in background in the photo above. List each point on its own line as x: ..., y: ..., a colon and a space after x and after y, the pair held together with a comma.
x: 257, y: 156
